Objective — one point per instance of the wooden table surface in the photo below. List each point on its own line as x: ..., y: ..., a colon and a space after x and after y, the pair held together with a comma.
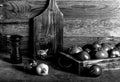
x: 12, y: 73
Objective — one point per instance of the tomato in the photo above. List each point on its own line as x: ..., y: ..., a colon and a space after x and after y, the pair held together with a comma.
x: 75, y: 49
x: 114, y: 53
x: 107, y: 46
x: 83, y: 56
x: 95, y: 70
x: 101, y: 54
x: 42, y: 69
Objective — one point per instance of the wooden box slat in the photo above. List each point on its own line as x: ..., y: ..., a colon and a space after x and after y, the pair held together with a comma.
x: 106, y: 64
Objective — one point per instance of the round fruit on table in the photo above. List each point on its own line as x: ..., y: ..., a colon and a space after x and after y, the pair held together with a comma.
x: 42, y: 69
x: 101, y: 54
x: 83, y: 56
x: 114, y: 53
x: 95, y: 70
x: 75, y: 49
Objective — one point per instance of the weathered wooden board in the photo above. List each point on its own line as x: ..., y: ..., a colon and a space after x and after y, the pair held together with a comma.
x: 106, y: 64
x: 24, y: 9
x: 48, y: 29
x: 20, y: 29
x: 83, y: 18
x: 92, y: 27
x: 95, y: 18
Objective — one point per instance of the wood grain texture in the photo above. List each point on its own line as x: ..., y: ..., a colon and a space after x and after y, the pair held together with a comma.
x: 19, y: 29
x: 92, y: 27
x: 83, y: 18
x: 106, y: 64
x: 70, y: 8
x: 23, y: 9
x: 98, y: 18
x: 48, y: 29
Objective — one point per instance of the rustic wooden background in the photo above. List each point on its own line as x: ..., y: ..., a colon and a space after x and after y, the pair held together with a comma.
x: 84, y: 20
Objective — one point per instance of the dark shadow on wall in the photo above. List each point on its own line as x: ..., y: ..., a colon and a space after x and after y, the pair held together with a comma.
x: 31, y: 38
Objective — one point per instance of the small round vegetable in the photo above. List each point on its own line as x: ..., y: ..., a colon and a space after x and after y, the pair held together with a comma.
x: 114, y: 53
x: 101, y: 54
x: 42, y: 69
x: 82, y: 56
x: 95, y: 70
x: 107, y: 46
x: 75, y: 49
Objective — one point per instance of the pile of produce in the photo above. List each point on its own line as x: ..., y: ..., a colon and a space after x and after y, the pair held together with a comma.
x: 95, y: 51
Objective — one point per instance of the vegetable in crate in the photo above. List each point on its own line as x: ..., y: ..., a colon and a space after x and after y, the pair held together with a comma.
x: 101, y: 54
x: 82, y: 56
x: 95, y: 70
x: 75, y: 49
x: 107, y: 46
x: 114, y: 53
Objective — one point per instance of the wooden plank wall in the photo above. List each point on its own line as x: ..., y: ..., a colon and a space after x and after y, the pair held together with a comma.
x: 85, y: 20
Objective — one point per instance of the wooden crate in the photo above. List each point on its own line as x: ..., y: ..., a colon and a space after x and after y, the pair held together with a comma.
x: 78, y: 67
